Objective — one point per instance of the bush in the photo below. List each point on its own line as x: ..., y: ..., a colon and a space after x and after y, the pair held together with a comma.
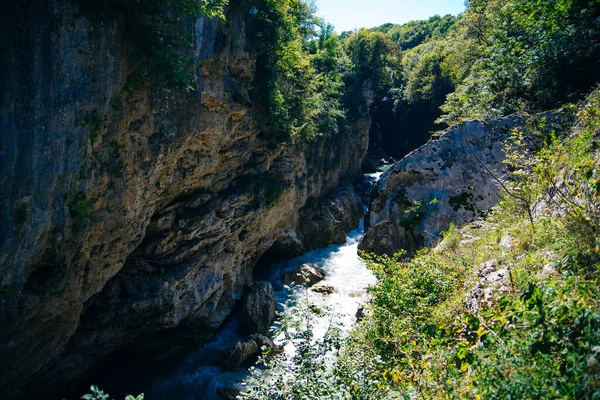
x: 93, y: 121
x: 81, y: 207
x: 97, y: 394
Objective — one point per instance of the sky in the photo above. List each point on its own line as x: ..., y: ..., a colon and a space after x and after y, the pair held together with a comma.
x: 346, y: 15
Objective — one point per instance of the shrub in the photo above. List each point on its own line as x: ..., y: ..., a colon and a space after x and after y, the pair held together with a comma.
x: 81, y: 207
x: 97, y: 394
x: 93, y: 121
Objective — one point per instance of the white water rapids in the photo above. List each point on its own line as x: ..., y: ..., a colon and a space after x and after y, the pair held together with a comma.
x: 197, y: 378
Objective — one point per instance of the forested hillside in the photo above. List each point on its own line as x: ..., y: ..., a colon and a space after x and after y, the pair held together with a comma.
x: 495, y: 59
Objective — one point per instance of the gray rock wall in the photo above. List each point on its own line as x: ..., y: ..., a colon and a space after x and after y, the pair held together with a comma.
x: 128, y: 212
x: 443, y: 182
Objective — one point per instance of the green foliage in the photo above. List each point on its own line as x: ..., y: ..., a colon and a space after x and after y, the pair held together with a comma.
x: 452, y: 238
x: 375, y: 57
x: 476, y: 317
x: 414, y: 211
x: 297, y: 374
x: 426, y: 79
x: 93, y: 121
x: 331, y: 65
x: 413, y: 215
x: 81, y: 207
x: 521, y: 55
x: 117, y: 105
x: 497, y: 58
x: 415, y: 33
x: 463, y: 200
x: 160, y: 30
x: 300, y: 65
x: 135, y: 80
x: 97, y: 394
x: 406, y: 67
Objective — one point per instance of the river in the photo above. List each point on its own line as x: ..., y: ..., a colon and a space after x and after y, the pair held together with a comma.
x: 197, y: 378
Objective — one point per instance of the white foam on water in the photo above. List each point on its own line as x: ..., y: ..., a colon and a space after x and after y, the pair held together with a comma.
x: 196, y: 378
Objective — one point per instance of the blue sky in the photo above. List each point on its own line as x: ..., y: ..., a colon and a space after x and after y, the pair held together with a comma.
x: 346, y: 15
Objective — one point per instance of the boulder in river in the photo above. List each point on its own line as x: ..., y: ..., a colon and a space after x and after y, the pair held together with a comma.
x: 306, y: 274
x: 258, y: 309
x: 252, y: 346
x: 324, y: 289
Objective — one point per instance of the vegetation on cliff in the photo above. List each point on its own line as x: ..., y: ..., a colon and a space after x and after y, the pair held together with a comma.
x: 299, y: 71
x: 497, y: 58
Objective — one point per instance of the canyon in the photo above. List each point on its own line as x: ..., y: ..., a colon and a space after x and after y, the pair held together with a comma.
x: 228, y: 199
x: 134, y: 215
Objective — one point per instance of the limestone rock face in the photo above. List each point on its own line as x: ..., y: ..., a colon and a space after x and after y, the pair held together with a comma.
x: 332, y: 219
x: 133, y: 215
x: 442, y: 182
x: 258, y: 309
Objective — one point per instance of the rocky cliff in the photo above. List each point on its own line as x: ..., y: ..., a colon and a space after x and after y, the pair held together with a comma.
x: 132, y: 216
x: 453, y: 179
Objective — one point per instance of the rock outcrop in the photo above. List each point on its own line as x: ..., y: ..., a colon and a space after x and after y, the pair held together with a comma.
x: 306, y: 274
x: 323, y: 289
x: 448, y: 180
x: 258, y: 309
x: 331, y: 219
x: 133, y: 215
x: 252, y: 346
x: 228, y: 394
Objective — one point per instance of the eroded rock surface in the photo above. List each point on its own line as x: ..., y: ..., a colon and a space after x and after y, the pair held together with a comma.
x: 253, y: 346
x: 306, y: 274
x: 448, y: 180
x: 133, y: 215
x: 323, y: 289
x: 258, y: 309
